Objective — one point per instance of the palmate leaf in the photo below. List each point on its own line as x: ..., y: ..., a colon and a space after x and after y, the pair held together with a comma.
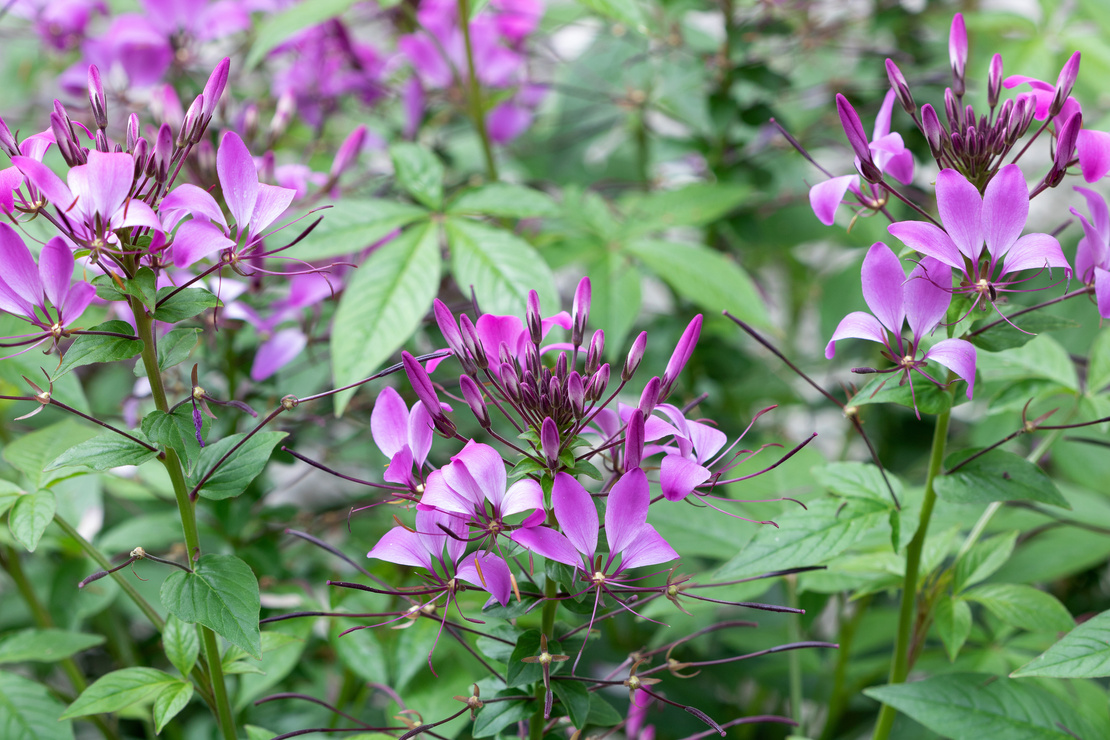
x: 500, y: 267
x: 29, y: 712
x: 237, y: 472
x: 1082, y: 653
x: 222, y: 594
x: 969, y: 706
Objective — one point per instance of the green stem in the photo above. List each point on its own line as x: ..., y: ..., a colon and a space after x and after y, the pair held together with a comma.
x: 838, y: 696
x: 474, y: 92
x: 11, y: 563
x: 794, y: 657
x: 547, y: 627
x: 900, y: 663
x: 187, y: 509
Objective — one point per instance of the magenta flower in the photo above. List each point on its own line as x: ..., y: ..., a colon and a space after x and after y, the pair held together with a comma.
x: 43, y: 294
x: 971, y: 222
x: 1092, y: 256
x: 893, y: 300
x: 687, y: 468
x: 404, y: 436
x: 886, y: 150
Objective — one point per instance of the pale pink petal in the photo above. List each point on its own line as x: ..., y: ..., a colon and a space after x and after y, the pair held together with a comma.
x: 272, y: 202
x: 441, y: 496
x: 1034, y: 252
x: 485, y: 467
x: 825, y: 197
x: 420, y: 431
x: 856, y: 325
x: 10, y: 179
x: 929, y: 240
x: 389, y: 422
x: 488, y: 572
x: 927, y: 300
x: 524, y: 495
x: 402, y: 547
x: 626, y: 510
x: 1005, y: 210
x: 195, y: 240
x: 679, y: 476
x: 104, y: 183
x: 958, y: 356
x: 900, y: 167
x: 883, y: 276
x: 548, y: 543
x: 882, y: 121
x: 19, y: 272
x: 649, y: 548
x: 960, y: 209
x: 576, y: 514
x: 1102, y: 292
x: 400, y: 467
x: 1100, y: 214
x: 432, y: 527
x: 43, y: 178
x: 277, y: 352
x: 189, y: 199
x: 56, y: 270
x: 238, y: 178
x: 135, y: 213
x: 77, y: 299
x: 707, y: 439
x: 1093, y: 148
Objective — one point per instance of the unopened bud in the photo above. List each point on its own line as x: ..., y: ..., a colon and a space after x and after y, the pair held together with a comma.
x: 421, y: 384
x: 635, y: 357
x: 933, y: 130
x: 952, y: 109
x: 70, y: 151
x: 681, y: 355
x: 532, y: 318
x: 561, y: 366
x: 595, y: 352
x: 994, y: 80
x: 213, y: 90
x: 283, y: 114
x: 1065, y: 148
x: 139, y: 152
x: 580, y: 311
x: 549, y: 442
x: 163, y: 153
x: 133, y: 131
x: 472, y: 342
x: 599, y: 381
x: 250, y: 121
x: 474, y: 399
x: 7, y: 141
x: 1064, y: 83
x: 957, y: 52
x: 576, y: 394
x: 447, y: 326
x: 101, y: 139
x: 900, y: 86
x: 192, y: 128
x: 634, y: 440
x: 97, y: 99
x: 348, y: 151
x: 857, y: 138
x: 511, y: 382
x: 650, y: 396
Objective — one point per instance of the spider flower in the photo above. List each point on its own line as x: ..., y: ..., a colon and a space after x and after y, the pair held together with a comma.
x: 403, y: 435
x: 1092, y: 256
x: 894, y: 300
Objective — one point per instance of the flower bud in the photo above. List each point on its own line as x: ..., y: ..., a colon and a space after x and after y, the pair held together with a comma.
x: 1065, y: 148
x: 348, y: 151
x: 472, y: 342
x: 163, y: 153
x: 650, y: 396
x: 634, y: 440
x: 474, y: 399
x: 532, y: 318
x: 139, y: 152
x: 598, y: 383
x: 1064, y: 83
x: 580, y: 311
x: 283, y: 114
x: 213, y: 90
x: 1015, y: 127
x: 595, y: 352
x: 206, y: 159
x: 561, y: 366
x: 952, y: 109
x: 549, y: 442
x: 97, y: 99
x: 102, y: 144
x: 576, y: 394
x: 635, y: 357
x: 555, y: 393
x: 73, y: 154
x: 192, y: 128
x: 133, y: 131
x: 957, y: 52
x: 7, y: 141
x: 932, y: 128
x: 447, y: 326
x: 511, y: 382
x: 250, y: 121
x: 857, y: 138
x: 680, y: 356
x: 421, y: 383
x: 994, y: 80
x: 900, y: 86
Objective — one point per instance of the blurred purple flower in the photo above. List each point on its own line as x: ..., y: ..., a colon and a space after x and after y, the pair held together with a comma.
x: 1092, y: 256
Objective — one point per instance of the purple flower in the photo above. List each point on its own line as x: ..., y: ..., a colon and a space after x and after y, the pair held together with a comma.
x: 404, y: 436
x: 687, y: 468
x: 1092, y: 256
x: 971, y: 222
x: 893, y: 300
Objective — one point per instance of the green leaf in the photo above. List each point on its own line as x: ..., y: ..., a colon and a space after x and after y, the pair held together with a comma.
x: 886, y: 389
x: 704, y: 277
x: 275, y: 29
x: 858, y: 480
x: 500, y: 266
x: 982, y: 560
x: 353, y: 224
x: 698, y: 204
x: 29, y: 712
x: 9, y: 494
x: 119, y: 690
x: 492, y: 718
x: 520, y: 673
x: 1098, y: 363
x: 30, y: 516
x: 44, y: 645
x: 504, y: 200
x: 1041, y: 357
x: 1023, y: 606
x: 280, y: 654
x: 968, y: 706
x: 176, y: 430
x: 383, y: 305
x: 616, y: 298
x: 602, y: 713
x: 181, y: 643
x: 142, y: 286
x: 176, y: 346
x: 419, y: 173
x: 803, y: 538
x: 31, y: 453
x: 170, y: 702
x: 259, y: 733
x: 953, y: 621
x: 996, y: 476
x: 1003, y: 336
x: 1082, y: 653
x: 184, y: 304
x: 234, y: 475
x: 89, y: 348
x: 628, y: 12
x: 105, y: 451
x: 575, y: 699
x: 222, y: 594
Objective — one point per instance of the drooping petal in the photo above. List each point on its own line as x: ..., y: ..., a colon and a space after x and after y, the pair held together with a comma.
x: 707, y: 439
x: 238, y: 178
x: 272, y: 202
x: 389, y: 422
x: 1093, y: 148
x: 1034, y: 252
x: 402, y: 547
x: 1093, y: 243
x: 43, y: 178
x: 856, y: 325
x: 56, y: 270
x: 400, y: 467
x: 195, y: 240
x: 626, y: 510
x: 1102, y: 292
x: 1100, y: 214
x: 882, y: 286
x: 489, y: 572
x: 960, y: 209
x: 900, y: 167
x: 649, y: 548
x: 524, y: 495
x: 825, y: 197
x: 882, y: 121
x: 550, y: 544
x: 77, y: 299
x: 927, y: 300
x: 958, y: 356
x: 1005, y: 210
x: 189, y: 199
x: 441, y: 496
x: 679, y: 476
x: 486, y: 468
x: 20, y: 272
x: 420, y: 432
x: 576, y: 514
x: 135, y: 213
x: 929, y: 240
x: 277, y: 352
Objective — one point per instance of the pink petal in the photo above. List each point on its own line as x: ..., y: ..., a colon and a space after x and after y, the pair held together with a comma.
x: 958, y: 356
x: 189, y: 199
x: 389, y: 422
x: 1034, y: 252
x: 1094, y: 154
x: 277, y: 352
x: 10, y: 179
x: 20, y: 272
x: 1102, y: 292
x: 195, y: 240
x: 550, y: 544
x: 1093, y: 245
x: 102, y: 185
x: 402, y: 547
x: 900, y: 167
x: 488, y: 572
x: 238, y: 178
x: 272, y: 202
x: 43, y: 178
x: 400, y: 467
x: 882, y: 121
x: 649, y: 548
x: 707, y: 439
x: 56, y: 270
x: 1005, y: 210
x: 926, y: 238
x: 524, y: 495
x: 495, y: 330
x: 1100, y: 214
x: 926, y: 298
x: 960, y: 209
x: 825, y: 197
x: 679, y: 476
x: 441, y: 496
x: 420, y: 431
x: 626, y: 510
x: 576, y: 514
x: 486, y: 469
x: 77, y: 299
x: 135, y: 213
x: 856, y: 325
x: 882, y: 286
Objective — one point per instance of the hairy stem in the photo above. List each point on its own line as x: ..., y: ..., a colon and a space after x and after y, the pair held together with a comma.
x: 900, y: 663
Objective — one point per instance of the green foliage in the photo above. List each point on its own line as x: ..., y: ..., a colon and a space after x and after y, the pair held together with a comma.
x: 996, y: 476
x: 181, y: 644
x: 119, y: 690
x: 174, y: 304
x: 30, y: 516
x: 500, y: 267
x: 103, y: 452
x: 246, y: 458
x: 44, y: 645
x: 419, y: 173
x: 1082, y: 653
x: 222, y: 594
x: 29, y: 712
x: 91, y: 348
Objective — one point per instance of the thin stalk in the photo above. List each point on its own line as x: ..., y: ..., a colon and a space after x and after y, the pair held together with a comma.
x: 474, y: 91
x: 838, y: 699
x: 547, y: 627
x: 794, y: 659
x: 900, y: 665
x: 187, y: 509
x: 11, y: 563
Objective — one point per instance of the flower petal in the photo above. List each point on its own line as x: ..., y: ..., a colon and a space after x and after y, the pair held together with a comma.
x: 679, y: 476
x: 441, y: 496
x: 1034, y: 252
x: 195, y: 240
x: 576, y: 514
x: 402, y: 547
x: 389, y: 422
x: 400, y: 467
x: 136, y: 213
x: 420, y: 432
x: 856, y: 325
x: 20, y: 273
x: 238, y: 178
x: 77, y: 299
x: 1100, y: 214
x: 43, y: 178
x: 277, y: 352
x: 488, y: 572
x: 1093, y: 148
x: 1102, y: 292
x: 272, y: 202
x: 56, y: 270
x: 882, y: 286
x: 550, y: 544
x: 1005, y: 210
x: 626, y: 510
x: 825, y: 197
x: 649, y: 548
x: 102, y: 185
x: 926, y: 298
x: 929, y: 240
x: 524, y: 495
x: 960, y: 209
x: 958, y: 356
x: 486, y: 469
x: 189, y: 199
